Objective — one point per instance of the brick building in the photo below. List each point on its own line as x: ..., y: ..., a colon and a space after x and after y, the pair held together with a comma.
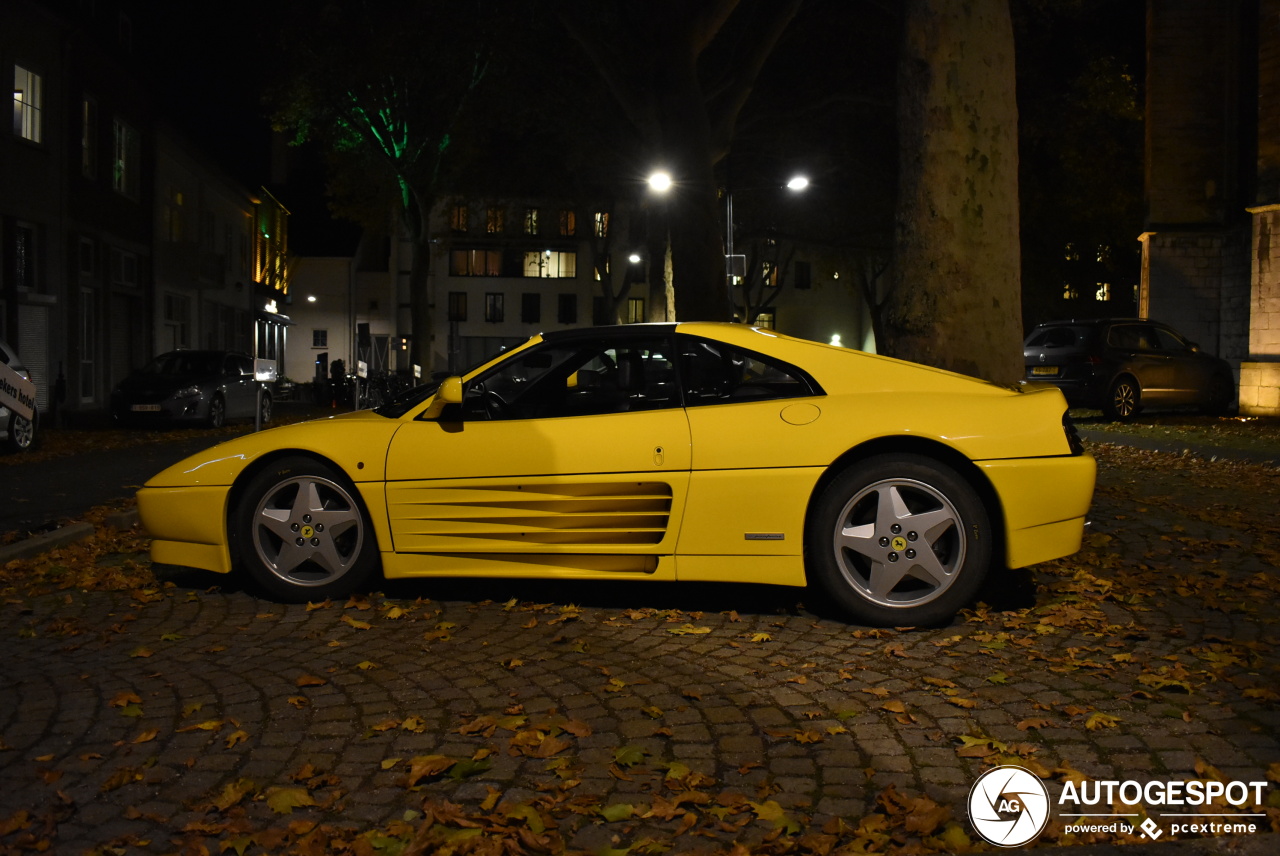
x: 1212, y: 188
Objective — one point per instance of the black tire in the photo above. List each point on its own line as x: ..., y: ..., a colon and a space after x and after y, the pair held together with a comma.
x: 217, y: 412
x: 22, y: 432
x: 264, y: 408
x: 302, y: 534
x: 1124, y: 399
x: 869, y: 552
x: 1222, y: 392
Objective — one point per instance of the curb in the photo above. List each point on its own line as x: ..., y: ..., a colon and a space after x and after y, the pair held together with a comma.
x: 62, y: 536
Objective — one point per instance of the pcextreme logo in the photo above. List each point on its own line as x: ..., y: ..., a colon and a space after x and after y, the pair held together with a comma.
x: 1010, y: 805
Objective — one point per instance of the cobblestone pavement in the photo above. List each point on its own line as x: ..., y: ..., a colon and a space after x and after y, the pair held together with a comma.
x: 198, y: 719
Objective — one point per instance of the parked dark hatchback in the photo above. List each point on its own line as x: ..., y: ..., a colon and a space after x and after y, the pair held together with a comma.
x: 192, y: 386
x: 1124, y: 364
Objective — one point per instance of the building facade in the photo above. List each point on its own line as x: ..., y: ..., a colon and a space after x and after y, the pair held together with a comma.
x: 1213, y: 183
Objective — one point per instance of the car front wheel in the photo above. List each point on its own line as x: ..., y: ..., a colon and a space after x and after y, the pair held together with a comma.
x: 1124, y: 401
x: 264, y: 408
x: 302, y: 534
x: 899, y: 540
x: 22, y: 433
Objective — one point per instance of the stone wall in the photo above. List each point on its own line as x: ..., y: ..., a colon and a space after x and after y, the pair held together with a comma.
x: 1198, y: 282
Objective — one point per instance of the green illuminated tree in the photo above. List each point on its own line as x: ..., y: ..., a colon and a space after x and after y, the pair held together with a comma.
x: 383, y: 87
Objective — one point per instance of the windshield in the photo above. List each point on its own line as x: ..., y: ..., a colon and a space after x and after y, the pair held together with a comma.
x: 184, y: 363
x: 407, y: 400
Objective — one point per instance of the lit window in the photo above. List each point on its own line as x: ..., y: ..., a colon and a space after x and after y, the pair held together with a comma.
x: 1069, y: 291
x: 27, y: 101
x: 475, y: 263
x: 531, y: 221
x: 568, y: 223
x: 458, y: 218
x: 125, y: 166
x: 1104, y: 292
x: 495, y: 221
x: 602, y: 224
x: 769, y: 274
x: 767, y: 320
x: 635, y: 310
x: 551, y: 264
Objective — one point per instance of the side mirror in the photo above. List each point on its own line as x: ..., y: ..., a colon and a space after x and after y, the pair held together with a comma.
x: 450, y: 392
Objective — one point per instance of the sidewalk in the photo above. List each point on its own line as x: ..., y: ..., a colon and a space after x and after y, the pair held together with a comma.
x: 593, y: 718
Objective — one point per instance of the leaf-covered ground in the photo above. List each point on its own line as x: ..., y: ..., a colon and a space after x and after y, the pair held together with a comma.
x: 565, y: 722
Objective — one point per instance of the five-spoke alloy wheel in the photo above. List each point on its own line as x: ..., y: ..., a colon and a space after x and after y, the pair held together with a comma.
x: 899, y: 540
x: 1125, y: 399
x: 303, y: 533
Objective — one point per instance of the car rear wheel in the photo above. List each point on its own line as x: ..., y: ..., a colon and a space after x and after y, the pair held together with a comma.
x: 217, y: 412
x: 899, y: 540
x: 264, y: 408
x: 1222, y: 389
x: 302, y: 533
x: 1124, y: 401
x: 22, y: 433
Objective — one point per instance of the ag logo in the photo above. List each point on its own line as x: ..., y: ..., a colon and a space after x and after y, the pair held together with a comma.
x: 1008, y: 806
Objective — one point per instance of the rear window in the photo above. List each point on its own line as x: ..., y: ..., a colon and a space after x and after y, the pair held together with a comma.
x: 1057, y: 337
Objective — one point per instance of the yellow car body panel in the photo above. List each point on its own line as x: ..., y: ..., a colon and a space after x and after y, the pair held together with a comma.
x: 716, y: 492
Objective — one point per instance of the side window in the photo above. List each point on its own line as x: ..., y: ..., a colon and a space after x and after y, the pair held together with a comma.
x: 715, y: 373
x: 1127, y: 336
x: 1169, y: 340
x: 583, y: 378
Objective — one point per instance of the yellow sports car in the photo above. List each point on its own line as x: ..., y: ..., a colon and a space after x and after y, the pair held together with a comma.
x: 652, y: 451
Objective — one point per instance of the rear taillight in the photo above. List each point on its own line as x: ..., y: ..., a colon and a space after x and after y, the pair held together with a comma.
x: 1073, y: 436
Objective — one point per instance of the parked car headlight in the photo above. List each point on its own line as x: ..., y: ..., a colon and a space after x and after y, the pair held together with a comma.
x: 187, y: 392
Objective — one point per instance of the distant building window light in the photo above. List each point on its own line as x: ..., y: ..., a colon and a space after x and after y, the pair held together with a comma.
x: 767, y: 320
x: 769, y: 274
x: 602, y: 224
x: 635, y: 310
x: 551, y: 264
x: 531, y: 221
x: 568, y: 223
x: 1069, y: 291
x: 28, y: 99
x: 475, y: 263
x: 495, y: 221
x: 1103, y: 293
x: 458, y: 218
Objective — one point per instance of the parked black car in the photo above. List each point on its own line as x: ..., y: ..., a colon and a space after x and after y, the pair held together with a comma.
x: 1124, y: 364
x: 192, y: 386
x: 17, y: 433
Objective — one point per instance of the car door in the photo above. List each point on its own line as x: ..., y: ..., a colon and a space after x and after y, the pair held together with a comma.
x: 1136, y: 350
x: 238, y: 385
x: 575, y: 447
x: 1190, y: 373
x: 751, y: 418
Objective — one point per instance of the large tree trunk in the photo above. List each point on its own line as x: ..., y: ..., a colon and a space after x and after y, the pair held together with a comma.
x: 956, y: 301
x: 417, y: 223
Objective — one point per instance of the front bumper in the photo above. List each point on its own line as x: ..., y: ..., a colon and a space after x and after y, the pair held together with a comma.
x: 187, y: 526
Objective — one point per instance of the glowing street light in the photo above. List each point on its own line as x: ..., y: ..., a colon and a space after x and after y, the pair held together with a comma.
x: 798, y: 183
x: 660, y: 181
